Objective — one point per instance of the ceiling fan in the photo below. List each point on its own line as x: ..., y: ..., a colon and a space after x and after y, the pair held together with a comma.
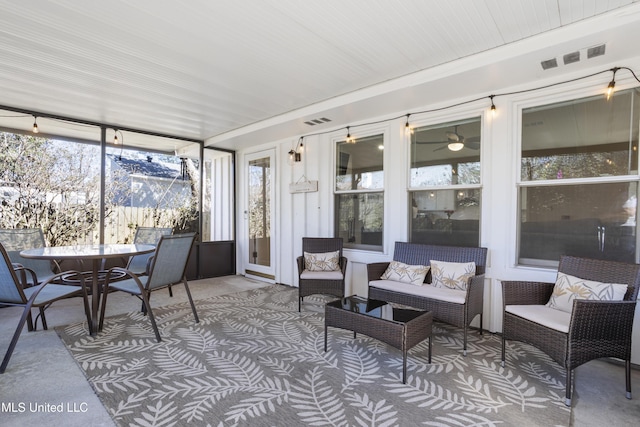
x: 455, y: 141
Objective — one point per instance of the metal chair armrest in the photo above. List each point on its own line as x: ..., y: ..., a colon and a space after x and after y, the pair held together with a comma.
x: 21, y: 272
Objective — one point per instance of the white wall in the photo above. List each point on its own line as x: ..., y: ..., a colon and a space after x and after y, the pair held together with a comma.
x: 311, y: 214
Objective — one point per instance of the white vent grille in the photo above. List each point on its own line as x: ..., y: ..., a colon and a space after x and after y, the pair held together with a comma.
x: 319, y: 121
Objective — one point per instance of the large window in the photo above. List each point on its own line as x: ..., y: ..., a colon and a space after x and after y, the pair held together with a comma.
x: 55, y: 184
x: 52, y: 184
x: 578, y: 179
x: 445, y: 184
x: 359, y: 196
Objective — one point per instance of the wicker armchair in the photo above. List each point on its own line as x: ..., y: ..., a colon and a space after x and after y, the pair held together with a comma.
x: 320, y: 282
x: 596, y: 328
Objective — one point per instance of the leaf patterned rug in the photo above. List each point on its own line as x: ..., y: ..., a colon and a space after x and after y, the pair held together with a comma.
x: 253, y: 360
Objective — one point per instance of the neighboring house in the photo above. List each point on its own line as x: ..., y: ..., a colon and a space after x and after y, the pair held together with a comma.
x: 150, y: 183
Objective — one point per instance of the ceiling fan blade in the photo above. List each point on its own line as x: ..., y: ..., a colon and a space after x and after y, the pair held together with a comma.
x: 473, y: 142
x: 432, y: 142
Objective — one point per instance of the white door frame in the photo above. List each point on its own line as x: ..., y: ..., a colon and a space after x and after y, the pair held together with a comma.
x: 249, y: 267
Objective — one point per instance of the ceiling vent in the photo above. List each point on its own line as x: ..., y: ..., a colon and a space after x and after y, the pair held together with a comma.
x: 319, y: 121
x: 549, y: 63
x: 592, y: 52
x: 572, y: 57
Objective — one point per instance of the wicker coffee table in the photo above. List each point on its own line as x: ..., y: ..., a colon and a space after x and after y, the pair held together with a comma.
x: 400, y: 328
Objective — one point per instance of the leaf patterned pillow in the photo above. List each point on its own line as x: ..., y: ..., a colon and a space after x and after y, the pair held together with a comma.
x: 324, y: 261
x: 452, y: 275
x: 401, y: 272
x: 569, y: 288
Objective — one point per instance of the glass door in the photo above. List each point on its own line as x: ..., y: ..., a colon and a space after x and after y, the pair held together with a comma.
x: 258, y: 216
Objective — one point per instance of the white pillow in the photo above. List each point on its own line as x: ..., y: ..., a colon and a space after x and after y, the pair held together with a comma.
x: 324, y: 261
x: 452, y: 275
x: 401, y: 272
x: 569, y: 288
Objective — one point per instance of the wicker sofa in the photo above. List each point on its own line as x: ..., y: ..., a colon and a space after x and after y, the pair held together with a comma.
x: 458, y: 308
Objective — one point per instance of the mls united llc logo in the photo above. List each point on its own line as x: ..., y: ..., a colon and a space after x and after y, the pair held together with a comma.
x: 21, y: 407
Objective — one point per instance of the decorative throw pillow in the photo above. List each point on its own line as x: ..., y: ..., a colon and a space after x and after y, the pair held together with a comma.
x: 324, y: 261
x: 569, y: 288
x: 401, y: 272
x: 452, y: 275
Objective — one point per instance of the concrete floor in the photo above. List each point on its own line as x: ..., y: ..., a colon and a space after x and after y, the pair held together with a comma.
x: 42, y: 376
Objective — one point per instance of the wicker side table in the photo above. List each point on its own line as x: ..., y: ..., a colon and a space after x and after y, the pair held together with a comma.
x: 400, y: 328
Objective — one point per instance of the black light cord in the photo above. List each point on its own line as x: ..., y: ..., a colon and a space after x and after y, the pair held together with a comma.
x: 490, y: 97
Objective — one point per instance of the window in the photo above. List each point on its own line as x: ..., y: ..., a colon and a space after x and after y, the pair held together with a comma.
x: 359, y: 196
x: 445, y: 184
x: 578, y: 185
x: 55, y: 184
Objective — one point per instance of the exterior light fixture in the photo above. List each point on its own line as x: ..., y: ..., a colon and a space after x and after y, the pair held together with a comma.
x: 35, y: 124
x: 296, y: 155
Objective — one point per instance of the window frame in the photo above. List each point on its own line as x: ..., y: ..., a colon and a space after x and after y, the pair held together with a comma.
x: 580, y: 92
x: 364, y: 132
x: 468, y: 115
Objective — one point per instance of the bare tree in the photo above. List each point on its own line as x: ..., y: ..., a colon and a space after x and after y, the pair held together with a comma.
x: 53, y: 185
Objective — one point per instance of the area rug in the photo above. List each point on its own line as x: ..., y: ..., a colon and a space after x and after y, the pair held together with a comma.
x: 254, y: 360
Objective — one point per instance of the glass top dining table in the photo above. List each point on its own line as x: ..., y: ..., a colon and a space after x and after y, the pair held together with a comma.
x: 95, y: 253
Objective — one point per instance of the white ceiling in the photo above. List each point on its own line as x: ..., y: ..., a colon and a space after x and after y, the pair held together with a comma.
x: 242, y: 72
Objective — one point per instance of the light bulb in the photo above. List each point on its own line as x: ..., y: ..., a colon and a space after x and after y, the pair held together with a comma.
x: 408, y: 129
x: 610, y: 88
x: 455, y: 146
x: 612, y: 84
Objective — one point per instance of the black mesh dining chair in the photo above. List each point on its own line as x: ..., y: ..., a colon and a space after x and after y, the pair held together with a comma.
x: 168, y: 267
x: 41, y: 296
x: 19, y: 239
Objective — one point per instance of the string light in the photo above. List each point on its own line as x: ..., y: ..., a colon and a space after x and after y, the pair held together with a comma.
x: 493, y: 107
x: 612, y: 83
x: 350, y: 139
x: 407, y: 127
x: 120, y: 142
x: 35, y: 124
